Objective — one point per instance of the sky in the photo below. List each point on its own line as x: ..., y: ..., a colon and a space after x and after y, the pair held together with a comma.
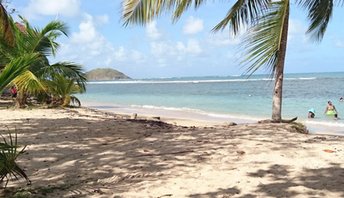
x: 98, y: 39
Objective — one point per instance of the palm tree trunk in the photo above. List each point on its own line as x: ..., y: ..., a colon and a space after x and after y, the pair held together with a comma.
x: 277, y: 95
x: 21, y: 99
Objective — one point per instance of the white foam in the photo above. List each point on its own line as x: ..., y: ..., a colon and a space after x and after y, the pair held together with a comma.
x: 193, y: 81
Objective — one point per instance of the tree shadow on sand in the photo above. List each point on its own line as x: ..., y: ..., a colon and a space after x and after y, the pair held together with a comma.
x: 315, y: 182
x: 71, y: 157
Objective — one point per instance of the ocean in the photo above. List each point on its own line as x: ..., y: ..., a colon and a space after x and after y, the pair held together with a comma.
x: 230, y: 98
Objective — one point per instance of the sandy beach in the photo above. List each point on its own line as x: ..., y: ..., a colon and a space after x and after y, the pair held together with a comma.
x: 90, y: 153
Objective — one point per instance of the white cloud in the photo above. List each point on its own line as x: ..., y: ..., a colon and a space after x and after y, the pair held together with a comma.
x: 120, y: 55
x: 297, y: 31
x: 296, y: 27
x: 89, y: 47
x: 223, y: 39
x: 102, y: 19
x: 164, y: 51
x: 191, y: 47
x: 52, y: 7
x: 339, y: 44
x: 193, y: 26
x: 87, y: 31
x: 152, y: 31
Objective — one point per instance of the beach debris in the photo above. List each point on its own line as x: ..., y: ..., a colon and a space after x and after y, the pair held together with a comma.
x: 320, y: 138
x: 134, y: 116
x: 156, y: 118
x: 297, y: 128
x: 241, y: 152
x: 329, y: 151
x: 166, y: 195
x: 277, y: 121
x: 232, y: 124
x: 316, y: 139
x: 167, y: 153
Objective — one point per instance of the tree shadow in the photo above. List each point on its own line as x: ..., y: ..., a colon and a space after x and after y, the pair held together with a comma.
x: 71, y: 153
x: 314, y: 182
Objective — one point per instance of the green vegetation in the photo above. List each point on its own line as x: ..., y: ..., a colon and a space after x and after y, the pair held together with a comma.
x: 105, y: 74
x: 24, y: 52
x: 25, y: 65
x: 267, y: 29
x: 8, y: 155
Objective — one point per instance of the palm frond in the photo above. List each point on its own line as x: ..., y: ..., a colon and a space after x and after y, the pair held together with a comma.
x: 75, y: 101
x: 68, y: 70
x: 183, y: 5
x: 263, y: 42
x: 143, y: 11
x: 319, y: 15
x: 55, y: 27
x: 243, y: 13
x: 42, y: 41
x: 8, y: 156
x: 28, y: 82
x: 15, y: 68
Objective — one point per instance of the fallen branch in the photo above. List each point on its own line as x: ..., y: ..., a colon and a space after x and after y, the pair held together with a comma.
x: 169, y: 153
x: 277, y: 121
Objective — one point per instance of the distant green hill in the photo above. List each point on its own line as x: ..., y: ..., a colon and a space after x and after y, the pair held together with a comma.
x: 105, y: 74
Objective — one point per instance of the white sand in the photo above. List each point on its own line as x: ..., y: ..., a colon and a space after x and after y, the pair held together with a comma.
x: 86, y: 153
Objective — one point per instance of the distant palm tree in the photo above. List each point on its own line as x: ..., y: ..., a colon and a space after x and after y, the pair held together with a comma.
x: 266, y: 40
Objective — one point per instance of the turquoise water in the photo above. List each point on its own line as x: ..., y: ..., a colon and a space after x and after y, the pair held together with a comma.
x: 233, y: 95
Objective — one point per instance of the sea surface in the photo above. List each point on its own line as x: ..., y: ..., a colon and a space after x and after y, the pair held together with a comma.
x: 229, y: 98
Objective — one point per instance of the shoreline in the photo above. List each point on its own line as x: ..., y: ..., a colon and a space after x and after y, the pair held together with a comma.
x: 202, y: 118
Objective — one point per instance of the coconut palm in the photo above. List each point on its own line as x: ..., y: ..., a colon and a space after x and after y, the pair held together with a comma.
x: 41, y: 43
x: 15, y: 66
x: 62, y: 88
x: 266, y: 38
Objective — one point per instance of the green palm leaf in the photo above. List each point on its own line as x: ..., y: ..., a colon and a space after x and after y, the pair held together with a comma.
x: 263, y: 41
x: 8, y: 154
x: 143, y: 11
x: 243, y: 13
x: 15, y: 68
x: 68, y: 70
x: 28, y: 82
x: 319, y: 14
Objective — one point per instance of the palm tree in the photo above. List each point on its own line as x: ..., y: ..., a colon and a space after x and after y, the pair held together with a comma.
x: 266, y: 39
x: 41, y: 43
x: 62, y: 88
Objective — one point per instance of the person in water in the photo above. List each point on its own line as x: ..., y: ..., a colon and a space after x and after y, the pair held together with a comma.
x: 331, y: 109
x: 311, y: 113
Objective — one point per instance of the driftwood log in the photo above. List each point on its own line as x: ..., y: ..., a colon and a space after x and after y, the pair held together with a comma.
x: 278, y: 121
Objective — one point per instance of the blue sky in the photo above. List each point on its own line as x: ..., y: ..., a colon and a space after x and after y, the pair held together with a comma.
x: 97, y: 38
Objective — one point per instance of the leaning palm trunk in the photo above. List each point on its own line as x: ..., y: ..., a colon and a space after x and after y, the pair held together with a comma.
x: 21, y: 99
x: 66, y: 101
x: 277, y: 94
